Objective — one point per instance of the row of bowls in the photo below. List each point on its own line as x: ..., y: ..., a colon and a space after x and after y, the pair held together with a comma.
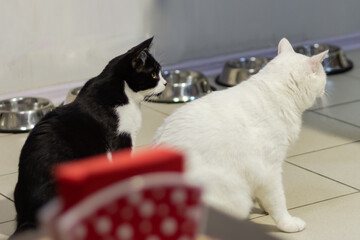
x: 238, y: 70
x: 21, y: 114
x: 183, y: 86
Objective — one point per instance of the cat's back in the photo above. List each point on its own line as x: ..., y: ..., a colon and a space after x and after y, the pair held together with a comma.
x: 65, y: 133
x: 219, y: 114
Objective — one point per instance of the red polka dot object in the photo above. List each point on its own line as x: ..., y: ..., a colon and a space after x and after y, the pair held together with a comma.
x: 153, y: 201
x: 165, y: 207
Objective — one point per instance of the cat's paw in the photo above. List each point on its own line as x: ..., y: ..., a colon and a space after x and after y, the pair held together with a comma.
x: 292, y: 224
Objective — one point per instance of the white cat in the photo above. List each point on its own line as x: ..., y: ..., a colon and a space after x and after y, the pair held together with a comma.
x: 236, y: 139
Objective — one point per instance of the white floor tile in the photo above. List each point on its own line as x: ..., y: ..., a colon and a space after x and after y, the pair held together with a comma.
x: 340, y: 89
x: 349, y: 112
x: 10, y: 147
x: 354, y: 56
x: 151, y: 121
x: 7, y: 184
x: 166, y: 108
x: 330, y: 220
x: 7, y: 210
x: 320, y: 132
x: 6, y: 229
x: 303, y: 187
x: 340, y: 163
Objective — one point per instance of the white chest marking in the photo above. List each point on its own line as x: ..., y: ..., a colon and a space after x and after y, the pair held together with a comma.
x: 109, y: 156
x: 129, y: 116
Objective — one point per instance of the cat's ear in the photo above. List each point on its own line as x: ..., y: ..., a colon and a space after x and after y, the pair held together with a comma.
x: 284, y: 46
x: 139, y: 54
x: 316, y: 59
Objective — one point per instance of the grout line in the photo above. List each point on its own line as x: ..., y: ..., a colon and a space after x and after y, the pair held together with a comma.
x: 6, y: 197
x: 7, y: 221
x: 6, y: 174
x: 325, y: 200
x: 264, y: 215
x: 310, y: 204
x: 323, y: 149
x: 339, y: 120
x: 335, y: 105
x: 319, y: 174
x: 354, y: 76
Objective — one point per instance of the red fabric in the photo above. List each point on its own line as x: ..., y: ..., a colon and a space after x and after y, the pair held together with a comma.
x: 79, y: 179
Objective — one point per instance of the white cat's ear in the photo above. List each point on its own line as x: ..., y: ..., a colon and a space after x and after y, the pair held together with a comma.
x: 284, y: 46
x: 316, y: 59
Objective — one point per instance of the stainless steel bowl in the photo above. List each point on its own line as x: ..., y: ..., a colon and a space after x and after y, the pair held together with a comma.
x: 72, y: 94
x: 238, y: 70
x: 183, y: 86
x: 20, y: 114
x: 335, y: 61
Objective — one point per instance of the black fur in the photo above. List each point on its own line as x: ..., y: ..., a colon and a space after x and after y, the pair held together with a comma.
x: 85, y: 127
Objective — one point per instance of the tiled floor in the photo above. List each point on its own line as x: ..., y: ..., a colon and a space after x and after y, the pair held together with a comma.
x: 321, y: 174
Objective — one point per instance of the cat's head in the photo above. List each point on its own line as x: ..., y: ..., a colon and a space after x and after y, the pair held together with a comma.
x: 139, y: 69
x: 306, y: 74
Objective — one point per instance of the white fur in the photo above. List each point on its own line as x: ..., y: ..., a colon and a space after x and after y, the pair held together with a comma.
x: 129, y: 115
x: 109, y: 156
x: 236, y: 139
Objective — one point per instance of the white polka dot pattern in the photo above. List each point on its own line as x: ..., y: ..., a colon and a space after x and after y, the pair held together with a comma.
x: 125, y: 232
x: 178, y: 196
x: 152, y: 237
x: 103, y: 225
x: 156, y: 213
x: 147, y: 209
x: 168, y: 226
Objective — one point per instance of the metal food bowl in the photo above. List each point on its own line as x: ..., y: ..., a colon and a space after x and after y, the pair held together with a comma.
x: 182, y: 86
x: 20, y: 114
x: 335, y: 61
x: 238, y: 70
x: 72, y: 94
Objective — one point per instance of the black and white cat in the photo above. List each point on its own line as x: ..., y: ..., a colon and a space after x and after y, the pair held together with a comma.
x: 104, y: 117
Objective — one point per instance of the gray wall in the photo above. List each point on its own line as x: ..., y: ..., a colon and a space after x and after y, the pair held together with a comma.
x: 191, y: 29
x: 51, y: 42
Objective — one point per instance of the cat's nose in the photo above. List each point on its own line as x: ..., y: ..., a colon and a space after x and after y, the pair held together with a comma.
x: 165, y: 83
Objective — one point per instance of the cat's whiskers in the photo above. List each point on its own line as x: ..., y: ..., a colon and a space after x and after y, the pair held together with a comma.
x: 147, y: 97
x: 322, y: 100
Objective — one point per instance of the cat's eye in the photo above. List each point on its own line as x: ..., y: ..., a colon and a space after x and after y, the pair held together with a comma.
x: 154, y: 75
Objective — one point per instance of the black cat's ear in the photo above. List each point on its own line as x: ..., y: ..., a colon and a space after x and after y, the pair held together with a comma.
x: 139, y: 54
